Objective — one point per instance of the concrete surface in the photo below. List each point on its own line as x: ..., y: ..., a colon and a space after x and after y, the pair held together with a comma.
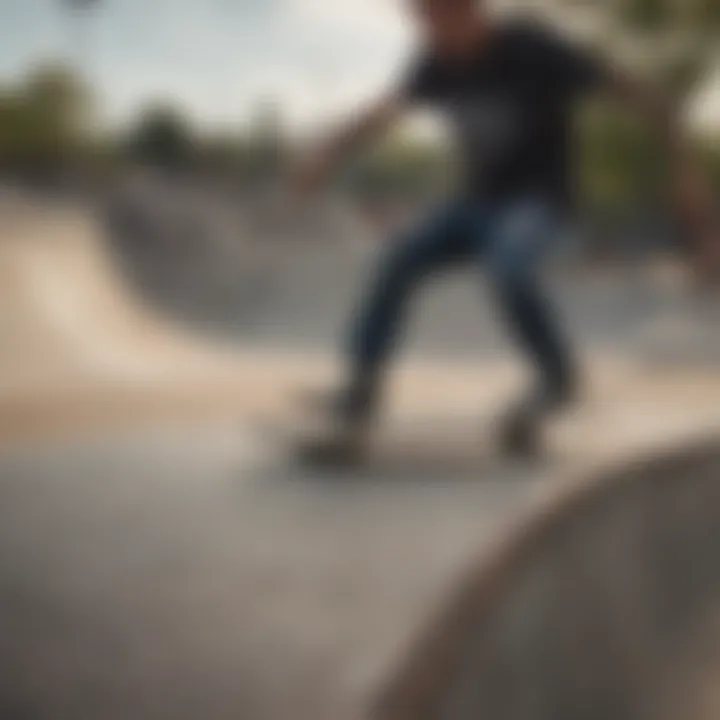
x: 602, y: 603
x: 161, y: 558
x: 163, y: 575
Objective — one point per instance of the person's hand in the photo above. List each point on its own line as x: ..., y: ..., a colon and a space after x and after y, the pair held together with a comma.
x: 310, y: 174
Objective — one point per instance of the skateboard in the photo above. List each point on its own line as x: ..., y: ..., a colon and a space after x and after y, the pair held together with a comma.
x: 442, y: 443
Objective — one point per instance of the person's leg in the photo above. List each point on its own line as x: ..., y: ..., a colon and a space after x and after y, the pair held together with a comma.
x: 437, y: 243
x: 516, y: 242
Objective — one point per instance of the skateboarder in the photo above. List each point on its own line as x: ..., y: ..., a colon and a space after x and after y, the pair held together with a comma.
x: 508, y: 89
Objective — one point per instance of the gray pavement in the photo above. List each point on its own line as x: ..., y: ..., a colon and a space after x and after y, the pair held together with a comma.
x: 189, y: 574
x: 193, y: 573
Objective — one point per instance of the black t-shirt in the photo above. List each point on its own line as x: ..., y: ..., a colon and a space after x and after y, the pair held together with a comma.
x: 511, y: 109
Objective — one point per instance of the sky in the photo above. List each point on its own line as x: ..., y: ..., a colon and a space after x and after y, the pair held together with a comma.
x: 218, y: 59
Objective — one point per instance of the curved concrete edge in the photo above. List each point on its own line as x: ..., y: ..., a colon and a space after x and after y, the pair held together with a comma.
x: 627, y: 409
x: 417, y: 689
x: 251, y: 381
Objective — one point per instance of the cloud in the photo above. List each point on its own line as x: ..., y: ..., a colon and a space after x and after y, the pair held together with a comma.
x: 218, y: 57
x: 379, y: 20
x: 346, y: 49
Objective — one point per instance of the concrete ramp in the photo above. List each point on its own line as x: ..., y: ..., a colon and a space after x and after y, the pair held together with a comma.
x: 602, y: 602
x: 78, y: 347
x: 164, y: 561
x: 66, y: 310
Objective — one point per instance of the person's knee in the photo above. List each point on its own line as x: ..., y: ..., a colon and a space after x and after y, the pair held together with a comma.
x: 404, y: 267
x: 510, y: 274
x: 516, y: 251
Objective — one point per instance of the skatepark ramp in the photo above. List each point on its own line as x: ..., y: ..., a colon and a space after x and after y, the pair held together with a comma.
x: 165, y: 569
x: 603, y: 603
x: 66, y: 310
x: 75, y: 341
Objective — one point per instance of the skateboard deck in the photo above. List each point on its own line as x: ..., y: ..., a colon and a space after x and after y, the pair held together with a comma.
x: 422, y: 445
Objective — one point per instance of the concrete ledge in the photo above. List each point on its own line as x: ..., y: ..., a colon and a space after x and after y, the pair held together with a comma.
x: 600, y: 602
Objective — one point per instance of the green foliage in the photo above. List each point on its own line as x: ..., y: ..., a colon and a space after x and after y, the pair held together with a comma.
x: 684, y: 33
x: 708, y: 14
x: 162, y: 136
x: 713, y: 160
x: 44, y: 122
x: 646, y: 16
x: 621, y: 164
x: 643, y: 18
x: 673, y: 41
x: 42, y: 118
x: 262, y: 153
x: 402, y: 165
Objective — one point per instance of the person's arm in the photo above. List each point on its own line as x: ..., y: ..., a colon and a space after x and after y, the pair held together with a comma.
x: 369, y: 123
x: 693, y: 192
x: 577, y: 71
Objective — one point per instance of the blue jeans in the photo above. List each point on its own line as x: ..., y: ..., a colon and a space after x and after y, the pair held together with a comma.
x: 509, y: 240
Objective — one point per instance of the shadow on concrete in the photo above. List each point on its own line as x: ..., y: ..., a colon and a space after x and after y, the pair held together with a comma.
x: 604, y: 603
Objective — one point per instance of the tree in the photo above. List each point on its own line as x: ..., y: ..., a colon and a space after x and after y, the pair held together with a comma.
x: 672, y: 43
x: 266, y: 144
x: 403, y: 165
x: 43, y: 118
x: 162, y: 136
